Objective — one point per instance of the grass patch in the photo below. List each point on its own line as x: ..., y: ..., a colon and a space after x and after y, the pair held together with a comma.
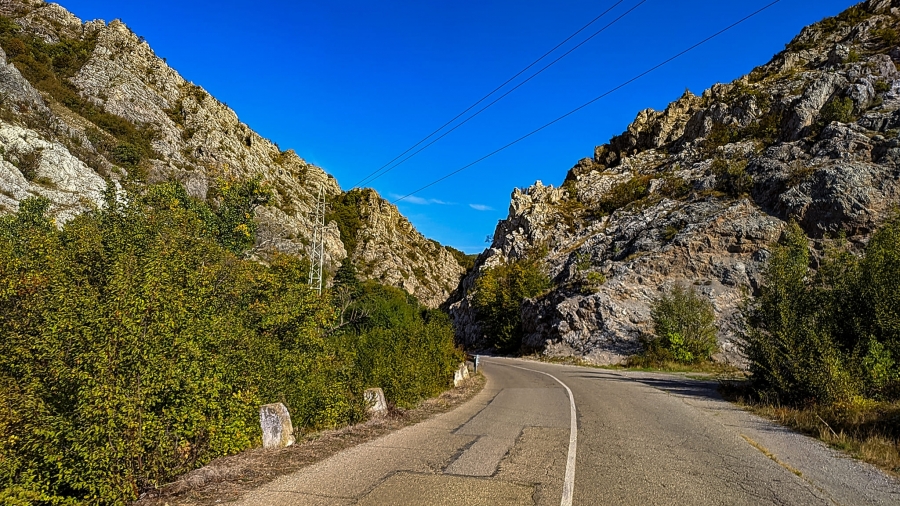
x: 647, y: 364
x: 769, y: 454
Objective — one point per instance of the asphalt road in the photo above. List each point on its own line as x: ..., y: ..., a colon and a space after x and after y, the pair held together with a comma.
x: 556, y: 435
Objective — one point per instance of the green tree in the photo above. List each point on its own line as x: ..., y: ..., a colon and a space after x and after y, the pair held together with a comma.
x: 789, y: 336
x: 498, y: 296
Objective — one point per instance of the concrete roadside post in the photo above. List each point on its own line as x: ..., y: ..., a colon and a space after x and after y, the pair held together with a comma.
x: 461, y: 374
x: 277, y: 430
x: 376, y: 405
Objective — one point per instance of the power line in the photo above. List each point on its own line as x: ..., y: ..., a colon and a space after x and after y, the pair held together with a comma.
x: 482, y: 99
x: 501, y: 97
x: 586, y: 104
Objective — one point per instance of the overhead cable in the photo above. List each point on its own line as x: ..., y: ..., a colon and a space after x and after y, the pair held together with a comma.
x: 501, y: 97
x: 378, y: 173
x: 586, y: 104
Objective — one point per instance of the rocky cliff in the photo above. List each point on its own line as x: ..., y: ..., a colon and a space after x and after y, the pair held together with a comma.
x: 693, y: 195
x: 86, y: 104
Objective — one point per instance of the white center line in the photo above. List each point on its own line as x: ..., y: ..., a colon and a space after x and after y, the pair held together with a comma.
x: 569, y: 484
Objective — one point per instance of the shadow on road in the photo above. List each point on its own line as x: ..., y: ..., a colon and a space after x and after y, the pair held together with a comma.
x: 681, y: 386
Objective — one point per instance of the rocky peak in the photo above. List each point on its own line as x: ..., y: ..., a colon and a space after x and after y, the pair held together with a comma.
x: 693, y: 195
x: 113, y: 110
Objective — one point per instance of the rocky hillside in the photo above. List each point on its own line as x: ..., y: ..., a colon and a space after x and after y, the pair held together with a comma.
x: 87, y: 104
x: 694, y: 194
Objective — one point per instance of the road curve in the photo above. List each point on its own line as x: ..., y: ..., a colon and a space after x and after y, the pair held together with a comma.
x: 638, y: 438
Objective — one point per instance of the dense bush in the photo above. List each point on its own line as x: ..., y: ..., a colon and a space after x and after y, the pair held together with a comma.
x: 137, y: 344
x: 685, y: 328
x: 400, y: 346
x: 731, y: 176
x: 498, y: 296
x: 831, y: 335
x: 625, y: 193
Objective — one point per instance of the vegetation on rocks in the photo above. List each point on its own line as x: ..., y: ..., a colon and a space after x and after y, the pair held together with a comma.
x: 48, y: 68
x: 499, y: 293
x: 625, y: 193
x: 465, y: 261
x: 136, y: 343
x: 344, y: 210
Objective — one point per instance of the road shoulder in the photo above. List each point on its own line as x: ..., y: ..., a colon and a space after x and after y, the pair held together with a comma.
x: 228, y: 478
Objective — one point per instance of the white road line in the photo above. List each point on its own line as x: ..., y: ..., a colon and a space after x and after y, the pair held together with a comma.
x: 569, y: 484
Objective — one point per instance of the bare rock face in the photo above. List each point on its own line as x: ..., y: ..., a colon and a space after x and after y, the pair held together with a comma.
x: 393, y: 252
x: 813, y: 136
x: 60, y: 151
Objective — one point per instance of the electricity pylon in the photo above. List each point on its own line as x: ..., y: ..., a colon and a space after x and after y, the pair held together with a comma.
x: 317, y: 256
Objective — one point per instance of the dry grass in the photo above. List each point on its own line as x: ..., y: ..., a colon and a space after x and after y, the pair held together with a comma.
x: 228, y: 478
x: 865, y: 429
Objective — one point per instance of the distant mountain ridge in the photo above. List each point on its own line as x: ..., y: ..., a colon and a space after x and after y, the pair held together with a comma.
x: 86, y: 103
x: 695, y: 194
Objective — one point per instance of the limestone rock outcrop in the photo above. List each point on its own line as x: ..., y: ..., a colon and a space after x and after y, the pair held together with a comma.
x: 694, y: 195
x: 114, y: 111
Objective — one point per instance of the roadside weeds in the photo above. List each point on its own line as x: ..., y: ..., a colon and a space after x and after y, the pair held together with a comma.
x: 866, y: 430
x: 228, y: 478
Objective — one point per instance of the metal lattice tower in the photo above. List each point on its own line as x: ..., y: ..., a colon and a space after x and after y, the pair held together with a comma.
x: 317, y: 256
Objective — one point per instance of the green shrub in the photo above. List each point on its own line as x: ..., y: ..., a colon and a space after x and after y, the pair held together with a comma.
x: 721, y: 135
x: 625, y: 193
x: 789, y: 339
x: 853, y: 57
x: 670, y: 233
x: 888, y: 35
x: 344, y: 209
x: 498, y: 296
x: 731, y: 176
x: 674, y: 187
x: 685, y: 328
x: 882, y: 86
x: 833, y: 334
x: 838, y: 109
x: 234, y: 204
x: 401, y: 347
x: 139, y: 348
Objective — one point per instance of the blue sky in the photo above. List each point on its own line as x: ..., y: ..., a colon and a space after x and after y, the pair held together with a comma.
x: 350, y: 84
